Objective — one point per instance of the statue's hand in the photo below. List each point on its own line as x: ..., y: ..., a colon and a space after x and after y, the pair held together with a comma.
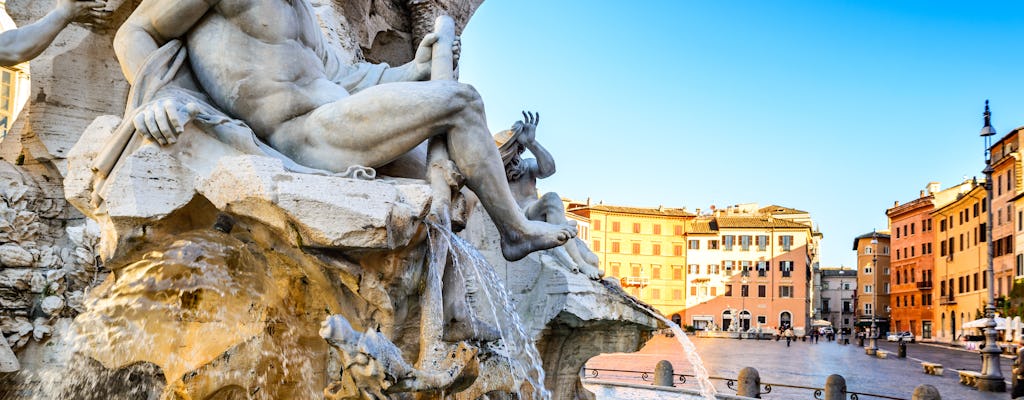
x: 424, y: 54
x: 529, y: 124
x: 164, y: 120
x: 83, y: 10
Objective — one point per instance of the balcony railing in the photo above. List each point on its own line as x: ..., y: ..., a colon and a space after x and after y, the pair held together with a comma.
x: 947, y: 300
x: 924, y: 285
x: 631, y: 281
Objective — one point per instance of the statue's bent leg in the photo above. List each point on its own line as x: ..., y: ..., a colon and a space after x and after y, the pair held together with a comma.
x: 379, y: 124
x: 549, y: 208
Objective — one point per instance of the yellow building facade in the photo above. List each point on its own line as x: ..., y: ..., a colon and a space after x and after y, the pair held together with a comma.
x: 644, y: 247
x: 960, y: 269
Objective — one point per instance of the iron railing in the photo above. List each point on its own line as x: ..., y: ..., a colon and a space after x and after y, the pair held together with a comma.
x: 731, y: 383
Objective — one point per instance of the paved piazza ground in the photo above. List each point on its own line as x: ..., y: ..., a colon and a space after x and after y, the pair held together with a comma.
x: 807, y: 364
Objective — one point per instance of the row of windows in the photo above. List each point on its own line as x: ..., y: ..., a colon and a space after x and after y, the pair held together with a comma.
x: 677, y: 294
x: 677, y: 230
x: 965, y: 215
x: 963, y: 284
x: 616, y: 247
x: 871, y: 288
x: 638, y: 270
x: 745, y: 268
x: 908, y: 276
x: 786, y: 241
x: 907, y: 252
x: 926, y: 226
x: 785, y: 291
x: 948, y: 246
x: 730, y: 268
x: 911, y: 300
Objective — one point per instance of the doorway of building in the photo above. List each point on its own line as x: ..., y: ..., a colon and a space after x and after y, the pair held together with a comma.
x: 786, y: 319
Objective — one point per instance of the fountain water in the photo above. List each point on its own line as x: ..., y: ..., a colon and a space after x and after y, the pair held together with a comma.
x: 516, y: 346
x: 707, y: 389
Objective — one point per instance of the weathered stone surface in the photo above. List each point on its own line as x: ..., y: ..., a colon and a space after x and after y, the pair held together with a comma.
x: 51, y: 305
x: 324, y: 211
x: 8, y: 361
x: 12, y: 255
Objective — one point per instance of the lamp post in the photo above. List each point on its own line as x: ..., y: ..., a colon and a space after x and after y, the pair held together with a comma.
x: 991, y: 379
x: 872, y: 348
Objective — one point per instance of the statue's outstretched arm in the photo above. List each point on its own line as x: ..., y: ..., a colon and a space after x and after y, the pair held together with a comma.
x: 25, y: 43
x: 545, y: 163
x: 151, y: 25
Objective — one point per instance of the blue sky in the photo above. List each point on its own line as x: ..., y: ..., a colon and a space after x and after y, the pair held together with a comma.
x: 837, y: 108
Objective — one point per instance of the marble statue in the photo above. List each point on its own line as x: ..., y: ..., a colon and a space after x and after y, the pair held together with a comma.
x: 522, y: 175
x: 287, y: 85
x: 260, y: 112
x: 25, y: 43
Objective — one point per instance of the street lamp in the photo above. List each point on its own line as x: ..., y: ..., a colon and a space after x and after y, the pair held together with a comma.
x: 872, y: 348
x: 991, y: 379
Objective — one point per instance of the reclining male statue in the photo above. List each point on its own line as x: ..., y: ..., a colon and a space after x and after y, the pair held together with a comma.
x: 266, y: 63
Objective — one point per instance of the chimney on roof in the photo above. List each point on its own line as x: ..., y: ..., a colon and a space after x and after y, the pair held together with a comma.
x: 933, y: 187
x: 921, y: 193
x: 588, y: 201
x: 698, y: 211
x: 661, y: 207
x: 896, y: 203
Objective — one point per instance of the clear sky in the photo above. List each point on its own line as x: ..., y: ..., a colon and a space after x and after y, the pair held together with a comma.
x: 834, y: 107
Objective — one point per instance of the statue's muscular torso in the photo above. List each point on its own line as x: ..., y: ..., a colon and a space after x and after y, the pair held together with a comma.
x: 262, y: 70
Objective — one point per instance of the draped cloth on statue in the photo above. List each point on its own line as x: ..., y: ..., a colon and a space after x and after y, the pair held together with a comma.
x: 166, y: 74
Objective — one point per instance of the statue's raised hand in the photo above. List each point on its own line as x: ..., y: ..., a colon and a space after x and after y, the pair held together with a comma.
x: 529, y: 127
x: 163, y: 120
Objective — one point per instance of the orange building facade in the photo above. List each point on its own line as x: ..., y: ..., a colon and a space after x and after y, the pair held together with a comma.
x: 873, y: 284
x: 912, y: 262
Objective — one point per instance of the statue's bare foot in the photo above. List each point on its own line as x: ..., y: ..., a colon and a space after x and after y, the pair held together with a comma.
x: 536, y: 236
x: 590, y: 271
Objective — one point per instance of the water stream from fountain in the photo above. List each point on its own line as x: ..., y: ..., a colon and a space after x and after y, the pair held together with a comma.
x: 707, y: 389
x: 515, y: 342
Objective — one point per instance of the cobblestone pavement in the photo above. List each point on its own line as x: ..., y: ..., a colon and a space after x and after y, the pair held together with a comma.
x: 807, y: 364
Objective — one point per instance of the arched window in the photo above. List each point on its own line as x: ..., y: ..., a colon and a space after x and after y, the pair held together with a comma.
x: 785, y: 319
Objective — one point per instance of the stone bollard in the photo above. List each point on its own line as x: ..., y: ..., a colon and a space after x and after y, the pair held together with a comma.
x: 749, y: 383
x: 1017, y: 390
x: 663, y: 374
x: 926, y: 392
x: 835, y: 387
